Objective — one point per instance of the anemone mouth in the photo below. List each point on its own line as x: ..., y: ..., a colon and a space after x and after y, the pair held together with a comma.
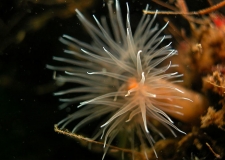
x: 119, y: 80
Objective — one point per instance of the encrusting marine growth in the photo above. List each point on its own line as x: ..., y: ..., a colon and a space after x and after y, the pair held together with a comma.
x: 120, y: 81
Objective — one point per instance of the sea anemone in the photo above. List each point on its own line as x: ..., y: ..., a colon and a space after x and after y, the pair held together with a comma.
x: 120, y: 79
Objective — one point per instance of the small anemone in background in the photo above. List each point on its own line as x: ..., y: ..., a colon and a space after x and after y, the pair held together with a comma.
x: 120, y: 80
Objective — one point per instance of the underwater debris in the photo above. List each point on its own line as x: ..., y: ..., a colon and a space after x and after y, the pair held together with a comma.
x: 216, y: 155
x: 214, y: 117
x: 197, y: 51
x: 184, y: 10
x: 215, y: 81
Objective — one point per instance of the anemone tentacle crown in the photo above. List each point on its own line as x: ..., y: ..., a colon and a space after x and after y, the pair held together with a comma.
x: 119, y: 79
